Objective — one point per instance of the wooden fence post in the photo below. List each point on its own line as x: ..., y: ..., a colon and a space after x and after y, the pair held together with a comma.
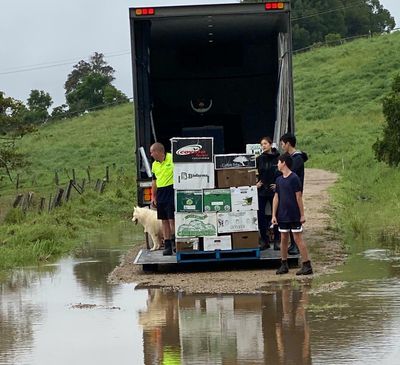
x: 103, y: 185
x: 17, y: 200
x: 29, y: 200
x: 97, y: 187
x: 69, y: 188
x: 73, y: 175
x: 88, y: 174
x: 58, y: 198
x: 41, y: 205
x: 107, y: 174
x: 50, y: 203
x: 56, y: 179
x: 17, y: 182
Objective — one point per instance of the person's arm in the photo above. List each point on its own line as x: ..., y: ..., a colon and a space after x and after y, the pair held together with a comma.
x: 299, y: 198
x: 275, y: 203
x: 154, y: 193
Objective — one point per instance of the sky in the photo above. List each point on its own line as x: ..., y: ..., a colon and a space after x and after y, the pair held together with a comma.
x: 41, y: 40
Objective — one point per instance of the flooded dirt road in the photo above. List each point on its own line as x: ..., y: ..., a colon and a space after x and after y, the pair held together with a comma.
x: 67, y: 313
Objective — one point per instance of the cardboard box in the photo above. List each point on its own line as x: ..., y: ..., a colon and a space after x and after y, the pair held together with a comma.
x: 244, y: 198
x: 235, y: 161
x: 245, y: 240
x: 193, y: 176
x: 253, y: 149
x: 217, y: 200
x: 189, y: 201
x: 236, y: 177
x: 217, y: 243
x: 195, y: 224
x: 237, y: 221
x: 187, y: 244
x: 192, y: 149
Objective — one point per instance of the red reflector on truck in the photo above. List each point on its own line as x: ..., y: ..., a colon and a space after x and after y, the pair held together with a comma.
x: 145, y: 11
x: 274, y: 6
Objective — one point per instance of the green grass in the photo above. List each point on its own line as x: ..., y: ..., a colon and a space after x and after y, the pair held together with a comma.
x: 99, y: 139
x: 338, y: 93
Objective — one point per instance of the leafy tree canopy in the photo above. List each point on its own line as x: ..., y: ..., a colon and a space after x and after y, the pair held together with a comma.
x: 12, y: 126
x: 89, y: 85
x: 38, y: 104
x: 313, y: 20
x: 387, y: 149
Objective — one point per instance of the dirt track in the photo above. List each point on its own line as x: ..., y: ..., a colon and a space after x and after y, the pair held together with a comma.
x: 326, y: 253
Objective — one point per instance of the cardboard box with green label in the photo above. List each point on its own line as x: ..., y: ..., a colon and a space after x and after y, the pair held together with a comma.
x: 189, y: 201
x: 195, y: 224
x: 217, y: 200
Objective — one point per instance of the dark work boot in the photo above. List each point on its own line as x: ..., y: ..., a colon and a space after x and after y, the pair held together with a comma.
x: 306, y: 269
x: 168, y: 248
x: 277, y: 245
x: 293, y: 249
x: 284, y: 269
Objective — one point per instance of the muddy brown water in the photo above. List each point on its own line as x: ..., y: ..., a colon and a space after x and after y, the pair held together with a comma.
x: 67, y: 313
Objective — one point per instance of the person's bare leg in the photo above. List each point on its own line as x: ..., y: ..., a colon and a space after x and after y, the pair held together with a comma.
x: 298, y: 237
x: 284, y: 245
x: 166, y: 229
x: 171, y: 223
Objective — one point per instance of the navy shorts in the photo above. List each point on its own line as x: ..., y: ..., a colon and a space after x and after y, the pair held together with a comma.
x: 165, y: 210
x: 285, y: 227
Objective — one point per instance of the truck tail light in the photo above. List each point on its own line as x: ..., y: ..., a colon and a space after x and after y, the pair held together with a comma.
x: 146, y: 195
x: 144, y: 11
x: 274, y: 6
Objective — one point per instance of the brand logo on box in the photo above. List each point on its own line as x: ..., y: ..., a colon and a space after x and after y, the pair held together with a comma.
x: 188, y: 176
x: 190, y: 149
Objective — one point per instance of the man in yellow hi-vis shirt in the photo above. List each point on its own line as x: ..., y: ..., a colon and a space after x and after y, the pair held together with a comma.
x: 163, y: 192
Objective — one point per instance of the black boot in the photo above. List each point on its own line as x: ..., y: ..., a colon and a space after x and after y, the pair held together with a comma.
x: 293, y: 249
x: 306, y: 269
x: 277, y: 245
x: 168, y: 248
x: 284, y: 269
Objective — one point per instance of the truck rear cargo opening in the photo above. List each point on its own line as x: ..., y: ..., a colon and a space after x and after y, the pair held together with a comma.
x: 212, y: 70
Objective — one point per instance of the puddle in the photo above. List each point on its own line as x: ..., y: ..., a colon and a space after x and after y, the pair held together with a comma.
x: 67, y: 313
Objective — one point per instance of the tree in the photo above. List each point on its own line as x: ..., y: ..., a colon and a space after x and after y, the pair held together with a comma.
x: 314, y: 19
x: 388, y: 148
x: 89, y: 85
x: 12, y: 126
x: 38, y: 103
x: 60, y: 112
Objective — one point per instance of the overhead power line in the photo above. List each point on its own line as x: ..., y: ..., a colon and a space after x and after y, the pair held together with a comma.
x: 347, y: 6
x: 47, y: 65
x: 41, y: 66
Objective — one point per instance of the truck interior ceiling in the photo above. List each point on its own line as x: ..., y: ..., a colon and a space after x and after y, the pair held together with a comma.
x: 215, y: 76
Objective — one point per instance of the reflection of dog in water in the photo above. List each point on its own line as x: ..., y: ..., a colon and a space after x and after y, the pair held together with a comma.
x: 153, y: 226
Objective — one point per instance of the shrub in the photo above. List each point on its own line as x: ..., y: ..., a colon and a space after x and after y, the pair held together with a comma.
x: 387, y: 149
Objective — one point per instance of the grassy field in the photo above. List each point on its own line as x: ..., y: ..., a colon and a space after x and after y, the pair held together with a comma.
x: 338, y: 94
x: 96, y: 140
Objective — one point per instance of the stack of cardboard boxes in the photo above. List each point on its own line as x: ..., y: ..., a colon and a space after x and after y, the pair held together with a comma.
x: 210, y: 218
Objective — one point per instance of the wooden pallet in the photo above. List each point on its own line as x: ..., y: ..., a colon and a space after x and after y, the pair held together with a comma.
x: 218, y: 255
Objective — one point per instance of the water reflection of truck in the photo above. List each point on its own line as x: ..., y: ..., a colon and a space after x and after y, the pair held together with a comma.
x: 211, y: 70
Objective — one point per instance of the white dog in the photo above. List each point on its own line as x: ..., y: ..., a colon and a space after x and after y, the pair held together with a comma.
x: 153, y: 226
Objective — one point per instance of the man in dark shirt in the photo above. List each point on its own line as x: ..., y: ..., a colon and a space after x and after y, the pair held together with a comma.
x: 288, y: 145
x: 288, y: 203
